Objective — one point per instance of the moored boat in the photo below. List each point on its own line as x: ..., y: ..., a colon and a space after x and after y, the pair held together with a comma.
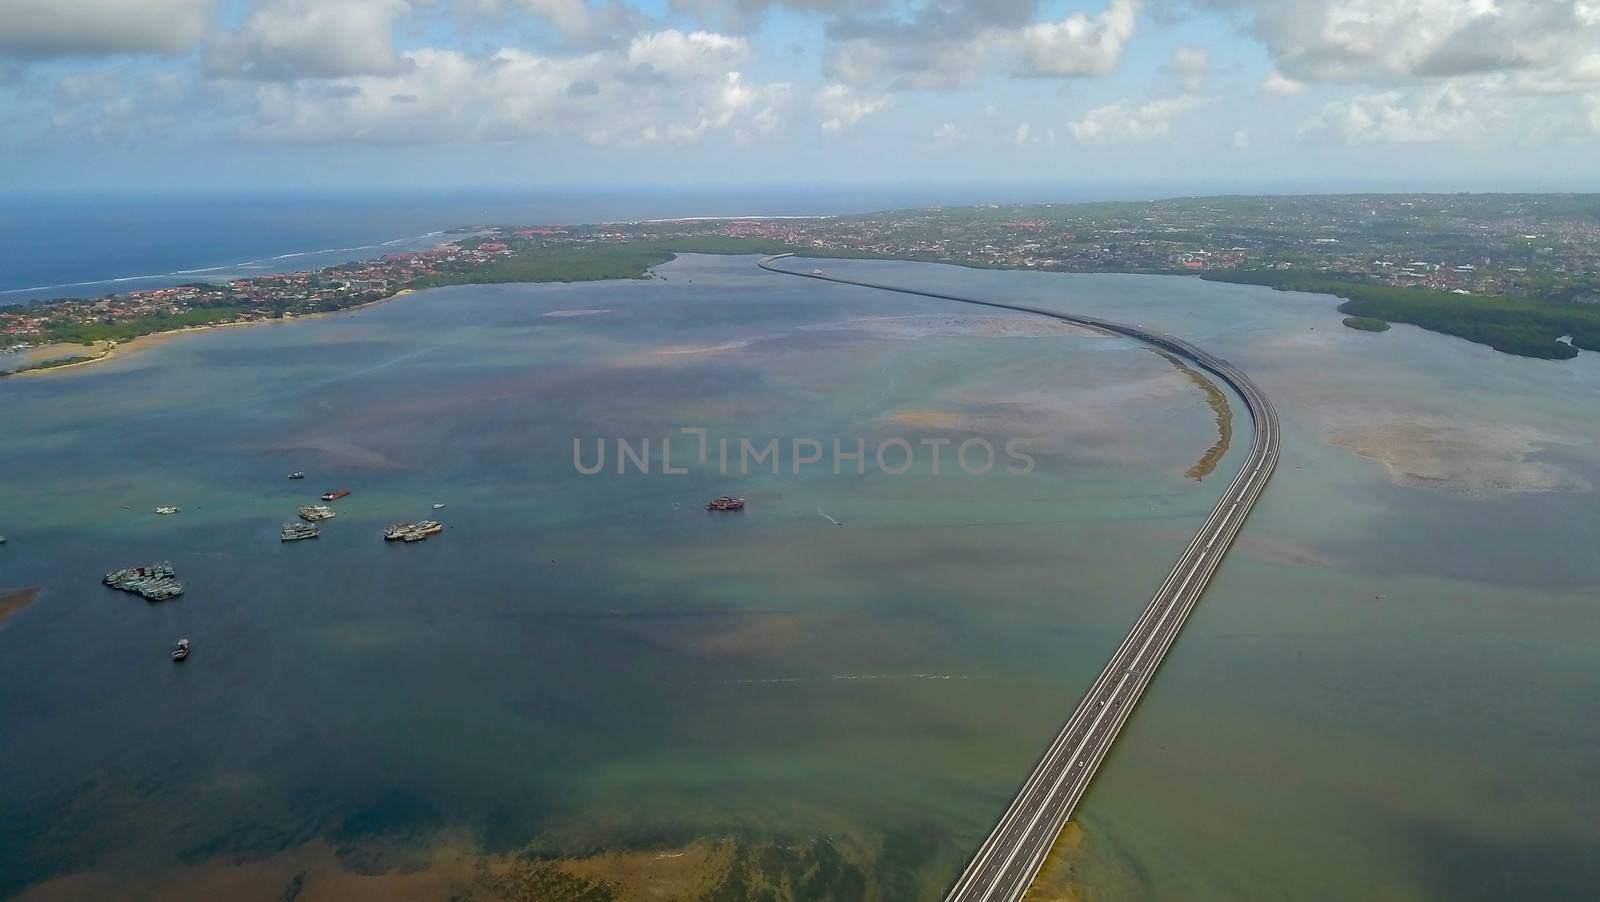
x: 726, y: 503
x: 294, y: 532
x: 181, y: 650
x: 297, y: 475
x: 412, y: 532
x: 155, y: 582
x: 335, y: 495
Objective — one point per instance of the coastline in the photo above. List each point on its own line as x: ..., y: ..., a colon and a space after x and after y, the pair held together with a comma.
x: 142, y: 343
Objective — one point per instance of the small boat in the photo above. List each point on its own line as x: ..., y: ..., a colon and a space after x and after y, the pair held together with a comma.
x: 297, y: 475
x: 181, y: 650
x: 437, y: 506
x: 295, y: 532
x: 816, y: 272
x: 725, y: 503
x: 412, y: 532
x: 166, y: 510
x: 335, y: 495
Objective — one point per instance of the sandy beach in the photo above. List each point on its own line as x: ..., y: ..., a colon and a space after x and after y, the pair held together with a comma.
x: 102, y: 351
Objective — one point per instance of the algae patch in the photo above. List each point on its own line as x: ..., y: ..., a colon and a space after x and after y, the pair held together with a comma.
x: 1207, y: 464
x: 12, y: 601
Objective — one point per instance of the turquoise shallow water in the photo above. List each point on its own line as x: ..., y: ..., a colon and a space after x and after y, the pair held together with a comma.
x: 584, y: 663
x: 1389, y: 692
x: 578, y: 661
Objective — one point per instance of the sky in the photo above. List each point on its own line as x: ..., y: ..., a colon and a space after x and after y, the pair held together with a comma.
x: 209, y: 94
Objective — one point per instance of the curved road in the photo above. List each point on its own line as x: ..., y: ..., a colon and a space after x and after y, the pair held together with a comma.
x: 1005, y: 865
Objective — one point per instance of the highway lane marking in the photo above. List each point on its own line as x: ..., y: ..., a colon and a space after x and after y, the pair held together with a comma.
x: 1057, y: 784
x: 1169, y: 606
x: 1071, y: 761
x: 1163, y: 602
x: 1221, y: 526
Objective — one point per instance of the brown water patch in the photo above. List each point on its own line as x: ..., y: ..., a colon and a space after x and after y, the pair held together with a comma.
x: 12, y: 601
x: 753, y: 636
x: 1475, y: 459
x: 1277, y: 549
x: 713, y: 869
x: 1059, y: 880
x: 1207, y: 464
x: 953, y: 325
x: 940, y: 420
x: 338, y: 451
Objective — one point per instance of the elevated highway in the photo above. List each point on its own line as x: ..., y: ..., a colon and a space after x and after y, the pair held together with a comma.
x: 1007, y: 862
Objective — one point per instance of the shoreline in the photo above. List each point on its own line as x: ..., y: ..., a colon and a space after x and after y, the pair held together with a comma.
x: 141, y: 343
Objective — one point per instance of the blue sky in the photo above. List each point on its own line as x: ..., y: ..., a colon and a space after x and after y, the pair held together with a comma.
x: 163, y: 94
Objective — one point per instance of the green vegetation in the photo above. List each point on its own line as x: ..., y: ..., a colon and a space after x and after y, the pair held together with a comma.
x: 1521, y: 326
x: 533, y: 880
x: 625, y: 260
x: 52, y: 364
x: 552, y: 265
x: 1366, y: 324
x: 815, y: 871
x: 122, y: 330
x: 628, y: 259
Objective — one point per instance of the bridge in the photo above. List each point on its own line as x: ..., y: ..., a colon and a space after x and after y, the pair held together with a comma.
x: 1005, y: 865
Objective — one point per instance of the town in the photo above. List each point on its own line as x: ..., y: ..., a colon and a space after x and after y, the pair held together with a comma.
x: 1543, y: 247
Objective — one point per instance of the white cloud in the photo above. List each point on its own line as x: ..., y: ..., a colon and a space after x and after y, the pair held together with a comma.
x: 664, y: 88
x: 1080, y: 44
x: 1281, y: 85
x: 116, y: 104
x: 948, y: 134
x: 287, y: 39
x: 938, y: 65
x: 46, y: 28
x: 87, y: 87
x: 1241, y: 140
x: 841, y: 107
x: 1190, y: 64
x: 1127, y: 123
x: 1547, y: 41
x: 1444, y: 113
x: 1022, y: 135
x: 674, y: 53
x: 954, y: 44
x: 746, y: 15
x: 581, y: 22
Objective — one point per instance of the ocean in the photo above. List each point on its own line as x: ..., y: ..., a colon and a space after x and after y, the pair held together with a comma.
x: 88, y: 245
x: 62, y: 245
